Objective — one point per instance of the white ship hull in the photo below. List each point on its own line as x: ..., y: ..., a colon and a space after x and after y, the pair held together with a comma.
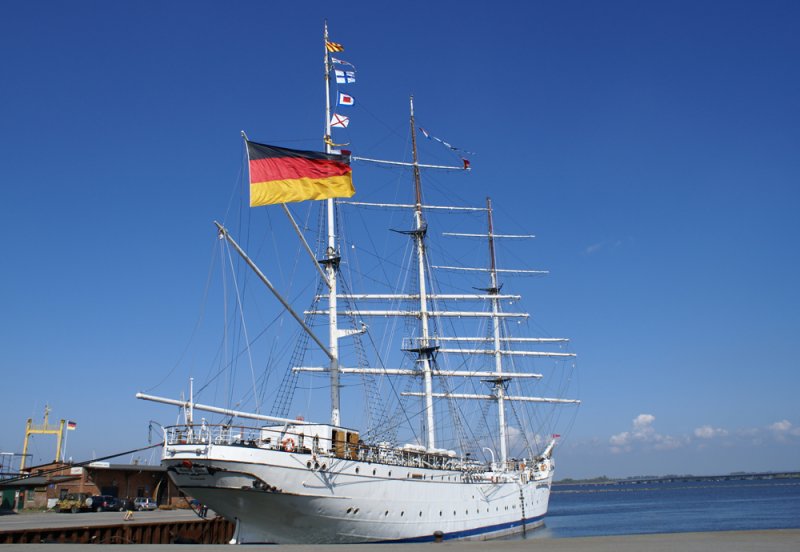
x: 282, y: 497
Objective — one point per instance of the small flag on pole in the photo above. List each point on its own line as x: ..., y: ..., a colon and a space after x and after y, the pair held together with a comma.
x: 345, y: 77
x: 339, y: 121
x: 342, y: 62
x: 334, y: 47
x: 346, y: 99
x: 71, y: 425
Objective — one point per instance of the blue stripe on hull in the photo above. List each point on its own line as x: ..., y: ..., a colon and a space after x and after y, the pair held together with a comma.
x: 470, y: 532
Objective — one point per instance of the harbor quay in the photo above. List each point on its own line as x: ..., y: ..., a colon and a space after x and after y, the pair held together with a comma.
x: 101, y: 528
x: 776, y: 540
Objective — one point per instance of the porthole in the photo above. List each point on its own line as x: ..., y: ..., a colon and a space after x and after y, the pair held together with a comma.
x: 440, y: 512
x: 349, y: 510
x: 402, y: 514
x: 374, y: 472
x: 386, y: 513
x: 390, y: 474
x: 420, y: 514
x: 355, y: 511
x: 356, y: 470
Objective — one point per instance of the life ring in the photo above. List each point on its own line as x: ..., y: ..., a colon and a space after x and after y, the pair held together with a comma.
x: 288, y: 444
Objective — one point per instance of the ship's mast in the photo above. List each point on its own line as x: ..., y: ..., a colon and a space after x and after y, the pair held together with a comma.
x: 499, y: 382
x: 424, y: 347
x: 331, y: 261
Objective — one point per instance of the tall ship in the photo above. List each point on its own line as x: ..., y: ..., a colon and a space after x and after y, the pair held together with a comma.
x: 431, y: 417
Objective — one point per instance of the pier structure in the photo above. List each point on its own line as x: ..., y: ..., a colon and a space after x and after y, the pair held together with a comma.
x: 160, y: 527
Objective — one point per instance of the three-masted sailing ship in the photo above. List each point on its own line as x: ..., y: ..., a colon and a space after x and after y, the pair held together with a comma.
x: 289, y: 480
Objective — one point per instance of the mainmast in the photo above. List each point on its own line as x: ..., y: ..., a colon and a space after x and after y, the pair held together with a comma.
x: 424, y: 348
x: 331, y: 261
x: 500, y: 381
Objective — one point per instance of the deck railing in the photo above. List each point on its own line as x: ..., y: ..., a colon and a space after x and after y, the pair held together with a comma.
x: 201, y: 435
x: 275, y: 439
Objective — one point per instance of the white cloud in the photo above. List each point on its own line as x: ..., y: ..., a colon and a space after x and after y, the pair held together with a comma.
x: 668, y: 442
x: 783, y: 430
x: 594, y: 248
x: 781, y: 427
x: 645, y: 436
x: 708, y: 432
x: 643, y: 422
x: 642, y: 436
x: 620, y: 439
x: 605, y: 244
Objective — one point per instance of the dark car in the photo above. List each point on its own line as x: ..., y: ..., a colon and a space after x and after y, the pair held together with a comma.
x: 101, y: 503
x: 125, y: 504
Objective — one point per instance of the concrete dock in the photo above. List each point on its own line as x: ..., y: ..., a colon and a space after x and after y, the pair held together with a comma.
x: 778, y: 540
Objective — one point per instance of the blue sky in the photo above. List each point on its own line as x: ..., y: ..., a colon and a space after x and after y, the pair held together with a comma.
x: 652, y: 147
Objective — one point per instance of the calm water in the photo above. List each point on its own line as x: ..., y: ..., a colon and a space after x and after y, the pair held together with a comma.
x: 595, y: 510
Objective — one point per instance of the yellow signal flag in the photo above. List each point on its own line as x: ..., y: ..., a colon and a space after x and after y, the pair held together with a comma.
x: 334, y: 46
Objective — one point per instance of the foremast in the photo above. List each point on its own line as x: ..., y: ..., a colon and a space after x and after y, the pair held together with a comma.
x: 331, y: 261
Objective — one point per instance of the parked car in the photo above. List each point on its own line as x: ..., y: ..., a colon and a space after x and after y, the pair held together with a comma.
x: 101, y: 503
x: 73, y: 502
x: 142, y: 503
x: 115, y: 504
x: 125, y: 504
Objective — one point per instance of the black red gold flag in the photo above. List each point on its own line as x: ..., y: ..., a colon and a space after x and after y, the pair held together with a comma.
x: 281, y: 175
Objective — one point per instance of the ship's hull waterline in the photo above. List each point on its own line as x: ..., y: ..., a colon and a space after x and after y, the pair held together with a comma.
x: 295, y: 497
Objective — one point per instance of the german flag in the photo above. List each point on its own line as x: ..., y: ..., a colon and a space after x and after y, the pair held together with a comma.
x: 280, y: 175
